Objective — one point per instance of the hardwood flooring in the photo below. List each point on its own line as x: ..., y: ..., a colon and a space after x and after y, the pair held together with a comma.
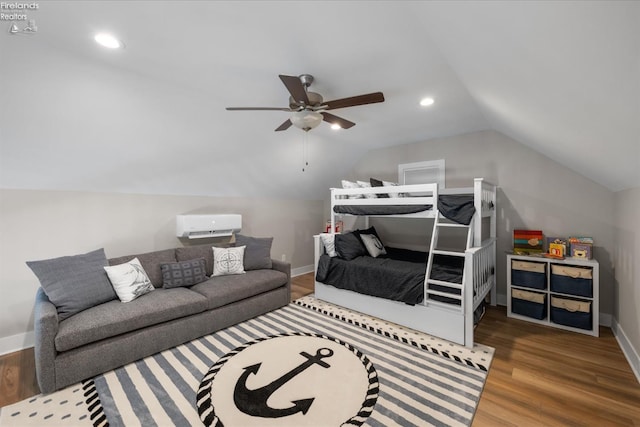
x: 17, y: 377
x: 540, y: 376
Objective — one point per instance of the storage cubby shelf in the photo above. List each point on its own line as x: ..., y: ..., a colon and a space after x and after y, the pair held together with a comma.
x: 532, y: 274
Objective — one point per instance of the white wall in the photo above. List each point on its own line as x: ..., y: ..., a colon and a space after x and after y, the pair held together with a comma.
x: 534, y: 192
x: 626, y: 308
x: 37, y: 224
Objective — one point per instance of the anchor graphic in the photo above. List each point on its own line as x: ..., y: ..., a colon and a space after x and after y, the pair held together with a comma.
x: 254, y: 402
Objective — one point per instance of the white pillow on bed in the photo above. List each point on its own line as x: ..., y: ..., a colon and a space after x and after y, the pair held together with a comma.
x: 350, y: 184
x: 373, y: 244
x: 329, y: 242
x: 392, y: 184
x: 363, y: 184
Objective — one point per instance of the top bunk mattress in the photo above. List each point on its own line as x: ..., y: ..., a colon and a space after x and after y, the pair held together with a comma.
x: 455, y: 207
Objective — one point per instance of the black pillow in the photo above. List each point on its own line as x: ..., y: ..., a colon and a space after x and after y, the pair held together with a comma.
x: 377, y: 183
x: 349, y: 246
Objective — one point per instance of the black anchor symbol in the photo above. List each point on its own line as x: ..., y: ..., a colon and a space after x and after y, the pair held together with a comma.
x: 254, y: 402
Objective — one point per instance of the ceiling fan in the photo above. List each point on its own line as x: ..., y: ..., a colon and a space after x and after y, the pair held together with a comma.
x: 308, y: 109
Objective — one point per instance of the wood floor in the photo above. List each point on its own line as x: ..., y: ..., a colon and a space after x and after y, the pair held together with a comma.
x: 540, y: 376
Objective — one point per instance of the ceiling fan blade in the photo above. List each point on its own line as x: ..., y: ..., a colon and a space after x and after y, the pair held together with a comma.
x: 370, y: 98
x: 330, y: 118
x: 284, y: 126
x: 258, y: 108
x: 295, y: 88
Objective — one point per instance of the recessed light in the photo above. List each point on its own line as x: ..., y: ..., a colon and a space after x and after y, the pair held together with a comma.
x: 335, y: 126
x: 426, y: 101
x: 107, y: 40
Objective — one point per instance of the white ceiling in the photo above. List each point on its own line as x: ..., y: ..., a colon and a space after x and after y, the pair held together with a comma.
x: 560, y: 77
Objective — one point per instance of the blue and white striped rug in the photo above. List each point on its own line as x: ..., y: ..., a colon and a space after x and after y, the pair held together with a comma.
x: 252, y: 373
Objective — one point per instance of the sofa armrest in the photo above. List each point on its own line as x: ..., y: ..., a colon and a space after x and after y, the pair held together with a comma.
x: 45, y: 329
x: 284, y: 267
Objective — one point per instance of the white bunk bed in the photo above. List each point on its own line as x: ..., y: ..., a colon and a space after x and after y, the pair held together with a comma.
x: 453, y: 322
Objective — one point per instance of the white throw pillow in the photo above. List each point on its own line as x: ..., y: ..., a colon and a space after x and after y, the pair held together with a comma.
x: 363, y: 184
x: 328, y: 240
x: 129, y: 280
x: 373, y: 244
x: 392, y: 184
x: 349, y: 184
x: 228, y: 260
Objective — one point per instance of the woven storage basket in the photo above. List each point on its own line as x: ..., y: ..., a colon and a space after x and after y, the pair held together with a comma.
x: 530, y: 304
x: 572, y: 280
x: 570, y: 312
x: 528, y: 274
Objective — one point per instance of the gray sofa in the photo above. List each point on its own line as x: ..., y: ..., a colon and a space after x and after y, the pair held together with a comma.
x: 112, y: 334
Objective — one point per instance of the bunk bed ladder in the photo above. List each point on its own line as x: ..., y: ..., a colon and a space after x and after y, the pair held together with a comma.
x: 437, y: 224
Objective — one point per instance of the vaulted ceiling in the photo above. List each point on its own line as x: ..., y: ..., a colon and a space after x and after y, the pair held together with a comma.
x: 560, y: 77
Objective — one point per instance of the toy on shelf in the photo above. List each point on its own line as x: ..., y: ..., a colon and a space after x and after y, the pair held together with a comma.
x: 556, y: 247
x: 527, y: 242
x: 581, y: 247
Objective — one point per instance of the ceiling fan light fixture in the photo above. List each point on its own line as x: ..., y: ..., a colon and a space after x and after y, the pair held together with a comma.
x: 306, y: 120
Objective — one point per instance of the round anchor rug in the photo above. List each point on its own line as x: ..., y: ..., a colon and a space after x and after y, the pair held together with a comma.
x: 295, y: 379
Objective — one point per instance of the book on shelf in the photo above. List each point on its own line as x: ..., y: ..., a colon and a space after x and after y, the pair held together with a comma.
x: 527, y: 242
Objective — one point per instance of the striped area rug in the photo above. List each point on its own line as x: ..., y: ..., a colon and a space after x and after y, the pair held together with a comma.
x: 405, y: 381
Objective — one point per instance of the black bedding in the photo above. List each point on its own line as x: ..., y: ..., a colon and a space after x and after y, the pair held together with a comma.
x: 456, y: 207
x: 397, y: 276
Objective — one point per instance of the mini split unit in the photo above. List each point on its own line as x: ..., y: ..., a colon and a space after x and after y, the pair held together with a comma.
x: 203, y: 226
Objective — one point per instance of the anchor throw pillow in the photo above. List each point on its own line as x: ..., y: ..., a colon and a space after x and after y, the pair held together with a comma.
x: 228, y: 261
x: 373, y: 244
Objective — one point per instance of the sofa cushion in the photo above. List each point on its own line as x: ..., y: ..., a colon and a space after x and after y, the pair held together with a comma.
x: 183, y: 273
x: 115, y: 318
x: 74, y: 283
x: 199, y: 251
x: 151, y: 262
x: 222, y: 290
x: 257, y: 254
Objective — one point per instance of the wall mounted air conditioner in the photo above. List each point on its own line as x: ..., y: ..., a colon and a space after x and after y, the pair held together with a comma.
x: 202, y: 226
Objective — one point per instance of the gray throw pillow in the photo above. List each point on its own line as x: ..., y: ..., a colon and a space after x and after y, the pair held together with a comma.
x: 74, y: 283
x: 257, y: 254
x: 183, y: 273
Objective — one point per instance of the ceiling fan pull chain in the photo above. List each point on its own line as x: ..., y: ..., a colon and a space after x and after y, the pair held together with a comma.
x: 305, y: 151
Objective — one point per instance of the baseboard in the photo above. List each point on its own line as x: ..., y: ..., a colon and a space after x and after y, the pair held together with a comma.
x: 17, y: 342
x: 627, y: 348
x: 299, y: 271
x: 605, y: 319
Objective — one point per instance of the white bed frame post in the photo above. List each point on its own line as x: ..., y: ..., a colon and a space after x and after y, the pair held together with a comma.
x: 467, y: 299
x: 477, y: 217
x: 333, y: 215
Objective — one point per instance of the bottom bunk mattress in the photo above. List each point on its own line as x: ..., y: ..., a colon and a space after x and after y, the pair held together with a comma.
x: 397, y: 276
